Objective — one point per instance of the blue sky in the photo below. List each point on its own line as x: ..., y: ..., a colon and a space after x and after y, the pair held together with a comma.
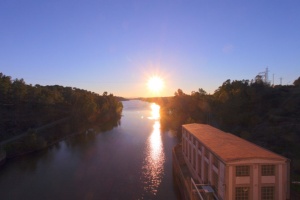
x: 115, y: 46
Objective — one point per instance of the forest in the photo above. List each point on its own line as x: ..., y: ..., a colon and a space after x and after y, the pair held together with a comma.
x: 45, y: 114
x: 266, y: 115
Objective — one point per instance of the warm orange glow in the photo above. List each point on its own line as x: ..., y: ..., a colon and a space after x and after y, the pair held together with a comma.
x: 155, y: 144
x: 155, y: 84
x: 155, y: 111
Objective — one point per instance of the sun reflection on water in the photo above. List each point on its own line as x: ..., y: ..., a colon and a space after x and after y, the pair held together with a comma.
x: 155, y: 111
x: 153, y: 169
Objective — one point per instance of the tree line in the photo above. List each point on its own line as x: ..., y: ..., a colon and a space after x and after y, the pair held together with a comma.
x: 24, y: 107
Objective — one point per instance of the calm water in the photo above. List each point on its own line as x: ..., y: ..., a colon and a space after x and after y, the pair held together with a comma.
x: 132, y: 161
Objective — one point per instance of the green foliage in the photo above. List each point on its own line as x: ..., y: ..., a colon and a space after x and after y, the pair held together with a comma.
x: 25, y: 109
x: 31, y: 142
x: 183, y: 108
x: 297, y: 82
x: 5, y: 87
x: 25, y: 106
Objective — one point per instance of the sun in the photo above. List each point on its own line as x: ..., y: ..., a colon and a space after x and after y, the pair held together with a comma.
x: 155, y: 84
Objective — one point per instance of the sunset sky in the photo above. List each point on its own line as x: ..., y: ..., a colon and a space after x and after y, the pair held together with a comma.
x: 115, y: 46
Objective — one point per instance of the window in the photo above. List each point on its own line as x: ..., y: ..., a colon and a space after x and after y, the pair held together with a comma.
x: 199, y: 146
x: 268, y: 193
x: 206, y: 153
x: 194, y: 141
x: 241, y: 193
x: 215, y: 181
x: 199, y: 165
x: 194, y: 158
x: 242, y: 170
x: 215, y: 162
x: 268, y: 170
x: 186, y: 148
x: 205, y: 172
x: 190, y: 153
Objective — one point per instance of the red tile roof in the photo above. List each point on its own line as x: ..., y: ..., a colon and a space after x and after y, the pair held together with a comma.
x: 229, y: 147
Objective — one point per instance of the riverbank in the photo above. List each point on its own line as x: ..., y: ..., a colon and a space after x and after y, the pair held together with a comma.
x: 35, y: 129
x: 35, y: 140
x: 2, y: 157
x: 11, y: 156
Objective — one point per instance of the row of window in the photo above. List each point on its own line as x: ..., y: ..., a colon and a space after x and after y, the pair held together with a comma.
x: 267, y: 193
x: 266, y: 170
x: 193, y: 140
x: 192, y: 156
x: 195, y: 158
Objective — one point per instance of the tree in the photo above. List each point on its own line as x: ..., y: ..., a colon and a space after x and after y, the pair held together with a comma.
x: 19, y: 89
x: 179, y: 92
x: 202, y: 92
x: 297, y: 82
x: 5, y: 86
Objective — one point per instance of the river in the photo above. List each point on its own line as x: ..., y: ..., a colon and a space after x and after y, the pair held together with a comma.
x: 131, y: 161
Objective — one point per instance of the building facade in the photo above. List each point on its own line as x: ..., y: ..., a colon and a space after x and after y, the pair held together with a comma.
x: 234, y: 168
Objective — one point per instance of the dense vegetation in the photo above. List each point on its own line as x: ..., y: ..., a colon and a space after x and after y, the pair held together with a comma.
x: 265, y: 115
x: 44, y: 114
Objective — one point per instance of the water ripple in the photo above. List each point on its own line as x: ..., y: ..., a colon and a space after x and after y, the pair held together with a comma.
x: 153, y: 169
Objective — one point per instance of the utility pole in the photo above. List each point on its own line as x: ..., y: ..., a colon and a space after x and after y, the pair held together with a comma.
x: 266, y: 76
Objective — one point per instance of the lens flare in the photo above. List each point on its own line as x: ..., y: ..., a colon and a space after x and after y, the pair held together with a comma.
x: 155, y: 84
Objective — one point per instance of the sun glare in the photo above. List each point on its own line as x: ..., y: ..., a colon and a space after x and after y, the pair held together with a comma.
x: 155, y: 84
x: 155, y: 114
